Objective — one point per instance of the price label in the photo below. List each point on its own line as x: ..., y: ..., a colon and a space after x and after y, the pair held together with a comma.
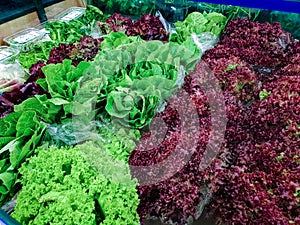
x: 71, y: 15
x: 3, y: 55
x: 27, y: 37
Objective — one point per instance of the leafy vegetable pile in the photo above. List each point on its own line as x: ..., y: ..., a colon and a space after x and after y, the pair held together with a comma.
x: 259, y: 184
x: 255, y: 178
x: 71, y: 31
x: 86, y: 49
x: 118, y: 129
x: 261, y: 45
x: 148, y: 27
x: 72, y: 90
x: 20, y: 134
x: 62, y: 32
x: 197, y: 23
x: 39, y: 52
x: 59, y: 185
x: 61, y: 82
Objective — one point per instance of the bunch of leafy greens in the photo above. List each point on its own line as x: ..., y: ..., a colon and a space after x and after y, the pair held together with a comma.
x: 198, y: 23
x: 115, y: 39
x: 71, y: 31
x: 134, y: 92
x: 62, y: 32
x: 20, y: 134
x: 109, y: 63
x: 66, y: 32
x: 148, y: 27
x: 85, y: 49
x: 62, y: 185
x: 135, y: 106
x: 92, y: 15
x: 138, y: 76
x: 61, y: 82
x: 261, y: 138
x: 39, y: 52
x: 118, y: 142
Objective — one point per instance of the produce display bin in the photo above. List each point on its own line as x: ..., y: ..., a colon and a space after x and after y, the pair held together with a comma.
x: 157, y: 112
x: 25, y: 40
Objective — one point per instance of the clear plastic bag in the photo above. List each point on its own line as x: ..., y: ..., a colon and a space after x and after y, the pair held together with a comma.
x: 205, y: 41
x: 73, y: 132
x: 11, y: 72
x: 164, y: 22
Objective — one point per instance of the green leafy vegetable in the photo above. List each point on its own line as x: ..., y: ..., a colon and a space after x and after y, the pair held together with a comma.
x: 138, y: 76
x: 197, y: 23
x: 66, y: 32
x: 264, y: 94
x: 115, y: 39
x: 73, y: 30
x: 118, y: 142
x: 91, y: 15
x: 39, y: 52
x: 20, y: 134
x: 135, y: 106
x: 66, y: 188
x: 109, y: 63
x: 62, y: 82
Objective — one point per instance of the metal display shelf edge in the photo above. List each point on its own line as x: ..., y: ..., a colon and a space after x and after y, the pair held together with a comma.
x: 5, y: 219
x: 278, y: 5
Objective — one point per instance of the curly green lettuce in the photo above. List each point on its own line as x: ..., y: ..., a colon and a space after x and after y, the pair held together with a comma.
x: 77, y: 185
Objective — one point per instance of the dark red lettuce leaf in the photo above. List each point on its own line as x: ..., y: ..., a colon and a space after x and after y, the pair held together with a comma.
x: 149, y: 28
x: 258, y: 181
x: 36, y: 72
x: 277, y: 117
x: 262, y: 45
x: 117, y: 22
x: 6, y: 107
x: 60, y: 52
x: 86, y: 50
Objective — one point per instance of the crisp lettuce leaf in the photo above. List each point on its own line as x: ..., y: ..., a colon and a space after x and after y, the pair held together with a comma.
x: 81, y: 184
x: 21, y: 138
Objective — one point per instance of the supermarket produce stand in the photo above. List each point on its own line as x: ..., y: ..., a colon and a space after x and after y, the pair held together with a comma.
x: 287, y: 6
